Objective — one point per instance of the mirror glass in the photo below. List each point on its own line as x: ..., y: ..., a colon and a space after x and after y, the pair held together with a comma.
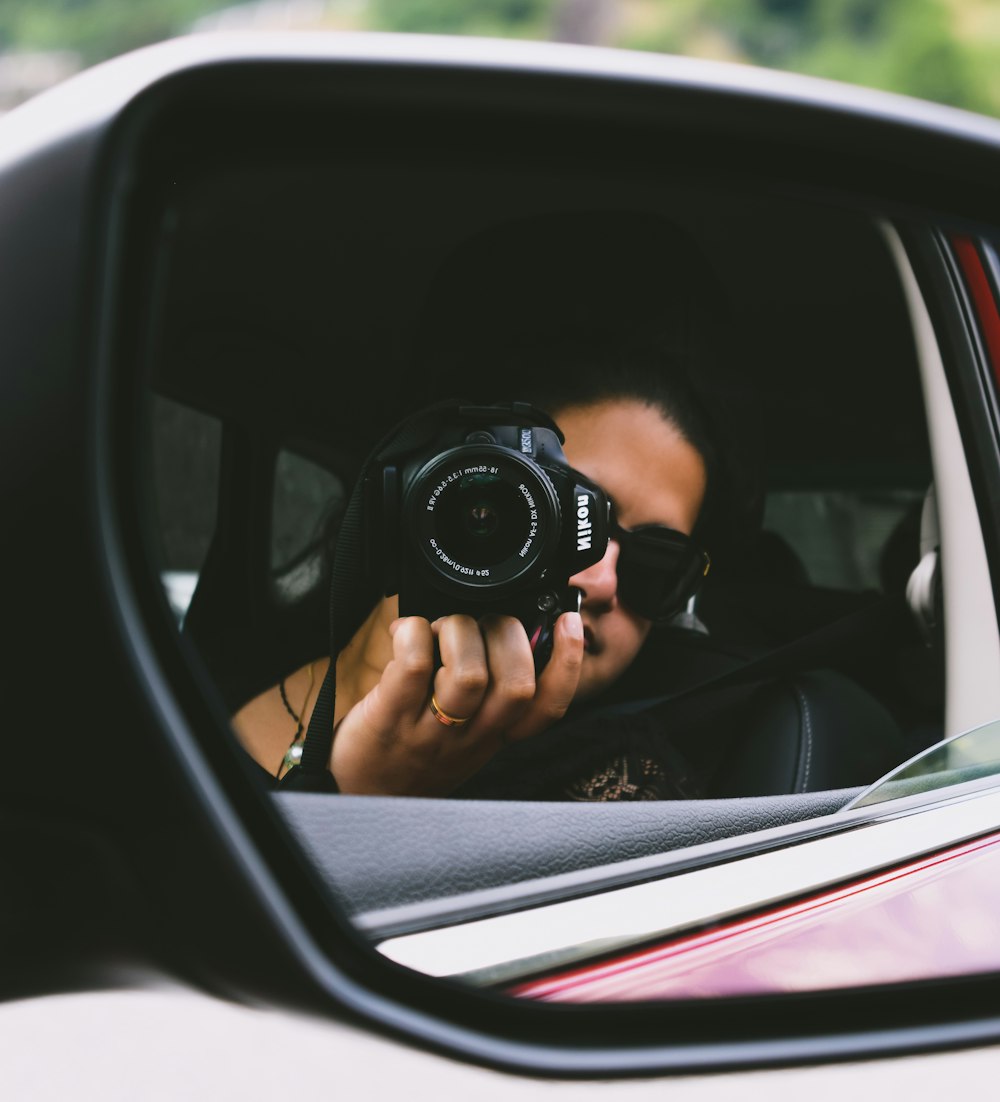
x: 745, y: 463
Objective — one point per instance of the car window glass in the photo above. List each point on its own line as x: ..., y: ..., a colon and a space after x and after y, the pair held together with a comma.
x: 845, y: 538
x: 186, y: 446
x: 966, y: 757
x: 307, y: 496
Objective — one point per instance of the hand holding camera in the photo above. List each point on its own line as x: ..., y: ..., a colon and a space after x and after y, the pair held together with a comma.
x: 489, y: 518
x: 423, y: 731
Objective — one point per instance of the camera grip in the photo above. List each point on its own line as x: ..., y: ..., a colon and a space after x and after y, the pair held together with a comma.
x: 542, y: 627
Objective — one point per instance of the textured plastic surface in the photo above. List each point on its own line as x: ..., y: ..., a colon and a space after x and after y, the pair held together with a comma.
x: 376, y: 853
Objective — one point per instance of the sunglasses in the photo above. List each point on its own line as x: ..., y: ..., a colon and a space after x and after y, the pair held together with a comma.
x: 659, y: 569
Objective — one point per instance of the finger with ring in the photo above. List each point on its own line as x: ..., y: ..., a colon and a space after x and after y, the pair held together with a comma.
x: 443, y: 717
x: 463, y: 679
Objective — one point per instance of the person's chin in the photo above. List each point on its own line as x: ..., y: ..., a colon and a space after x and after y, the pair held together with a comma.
x: 595, y: 677
x: 604, y: 661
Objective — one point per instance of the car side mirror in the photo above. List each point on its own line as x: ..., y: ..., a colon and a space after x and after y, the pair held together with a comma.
x: 216, y: 253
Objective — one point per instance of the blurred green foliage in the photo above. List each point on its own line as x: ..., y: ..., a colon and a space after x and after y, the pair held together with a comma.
x: 943, y: 50
x: 908, y: 46
x: 96, y: 29
x: 515, y: 18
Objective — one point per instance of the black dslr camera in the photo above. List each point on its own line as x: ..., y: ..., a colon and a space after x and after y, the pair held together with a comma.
x: 474, y: 509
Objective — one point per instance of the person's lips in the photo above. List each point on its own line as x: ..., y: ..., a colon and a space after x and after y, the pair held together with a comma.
x: 589, y: 641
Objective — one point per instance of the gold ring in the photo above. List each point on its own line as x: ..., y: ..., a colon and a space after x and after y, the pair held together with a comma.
x: 442, y: 716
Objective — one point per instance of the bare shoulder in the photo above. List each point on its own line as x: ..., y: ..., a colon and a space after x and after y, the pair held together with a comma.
x: 267, y: 725
x: 261, y: 729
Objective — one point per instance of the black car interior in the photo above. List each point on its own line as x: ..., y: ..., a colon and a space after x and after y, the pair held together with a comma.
x: 299, y: 309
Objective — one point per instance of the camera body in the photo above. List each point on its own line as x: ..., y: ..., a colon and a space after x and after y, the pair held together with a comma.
x: 486, y: 516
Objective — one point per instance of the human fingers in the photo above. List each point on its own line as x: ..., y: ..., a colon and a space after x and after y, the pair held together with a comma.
x: 402, y: 689
x: 557, y: 683
x: 511, y: 671
x: 461, y: 682
x: 370, y: 752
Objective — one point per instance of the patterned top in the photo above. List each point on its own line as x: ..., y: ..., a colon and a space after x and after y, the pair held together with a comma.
x: 638, y: 778
x: 596, y: 758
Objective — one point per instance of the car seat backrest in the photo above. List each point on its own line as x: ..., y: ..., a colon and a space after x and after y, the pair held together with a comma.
x: 809, y: 732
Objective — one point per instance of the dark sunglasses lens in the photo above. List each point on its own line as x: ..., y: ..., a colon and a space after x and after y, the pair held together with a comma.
x: 659, y: 571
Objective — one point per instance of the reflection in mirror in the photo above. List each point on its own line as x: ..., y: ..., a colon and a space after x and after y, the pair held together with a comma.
x: 695, y: 411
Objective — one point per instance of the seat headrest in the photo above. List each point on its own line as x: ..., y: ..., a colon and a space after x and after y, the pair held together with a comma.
x: 923, y: 590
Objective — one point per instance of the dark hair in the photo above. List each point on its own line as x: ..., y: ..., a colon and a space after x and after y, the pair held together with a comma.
x: 571, y: 308
x: 556, y: 377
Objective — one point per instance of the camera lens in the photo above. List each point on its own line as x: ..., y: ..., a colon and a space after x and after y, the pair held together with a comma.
x: 482, y: 520
x: 482, y: 516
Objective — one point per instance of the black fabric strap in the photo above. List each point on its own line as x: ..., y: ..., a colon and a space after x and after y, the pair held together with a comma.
x: 693, y: 710
x: 873, y: 623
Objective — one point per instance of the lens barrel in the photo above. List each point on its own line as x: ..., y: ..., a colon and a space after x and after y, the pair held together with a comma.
x: 482, y: 516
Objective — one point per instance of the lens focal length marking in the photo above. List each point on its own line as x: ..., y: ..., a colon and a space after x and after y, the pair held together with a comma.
x: 455, y: 476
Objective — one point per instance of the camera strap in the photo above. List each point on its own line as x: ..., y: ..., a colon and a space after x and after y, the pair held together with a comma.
x: 351, y: 590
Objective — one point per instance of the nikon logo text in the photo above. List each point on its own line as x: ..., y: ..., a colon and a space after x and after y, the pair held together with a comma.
x: 584, y: 529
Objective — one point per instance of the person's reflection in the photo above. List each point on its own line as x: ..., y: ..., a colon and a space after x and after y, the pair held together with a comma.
x: 634, y: 425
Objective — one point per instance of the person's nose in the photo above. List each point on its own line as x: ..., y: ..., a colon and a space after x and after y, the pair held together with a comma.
x: 599, y: 583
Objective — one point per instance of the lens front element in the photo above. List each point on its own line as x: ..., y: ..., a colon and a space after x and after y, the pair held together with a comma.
x: 482, y: 520
x: 484, y: 515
